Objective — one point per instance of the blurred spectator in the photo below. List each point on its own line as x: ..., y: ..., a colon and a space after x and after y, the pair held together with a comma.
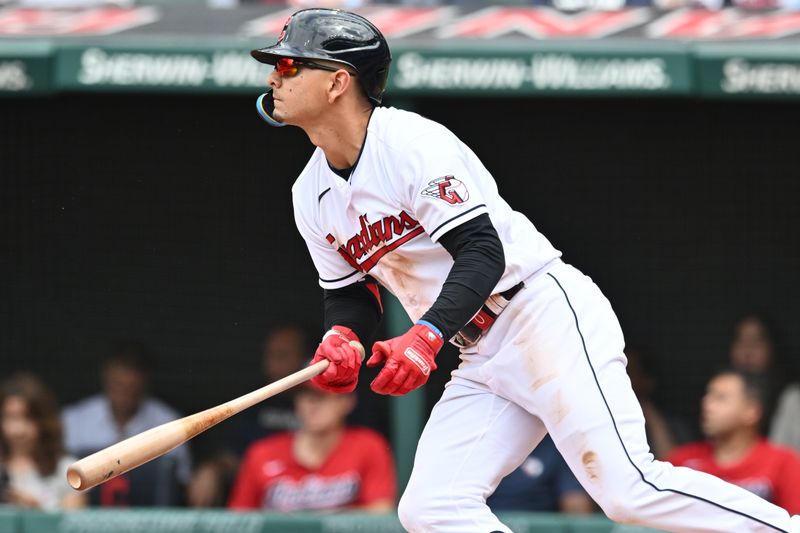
x: 757, y: 348
x: 324, y: 465
x: 543, y: 482
x: 122, y: 410
x: 664, y: 431
x: 785, y: 425
x: 734, y: 449
x: 284, y: 351
x: 33, y: 459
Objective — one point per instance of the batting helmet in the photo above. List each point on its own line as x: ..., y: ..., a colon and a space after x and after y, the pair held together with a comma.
x: 334, y: 35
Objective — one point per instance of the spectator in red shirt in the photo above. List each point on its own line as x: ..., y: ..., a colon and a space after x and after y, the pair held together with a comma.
x: 284, y: 351
x: 322, y: 466
x: 735, y: 450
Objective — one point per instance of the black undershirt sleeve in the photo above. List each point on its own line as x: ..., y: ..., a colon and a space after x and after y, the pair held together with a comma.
x: 355, y: 307
x: 479, y: 264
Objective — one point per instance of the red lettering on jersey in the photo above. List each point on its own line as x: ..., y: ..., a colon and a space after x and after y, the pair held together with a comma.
x: 347, y: 257
x: 391, y: 231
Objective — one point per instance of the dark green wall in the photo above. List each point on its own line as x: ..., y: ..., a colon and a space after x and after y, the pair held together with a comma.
x: 168, y: 218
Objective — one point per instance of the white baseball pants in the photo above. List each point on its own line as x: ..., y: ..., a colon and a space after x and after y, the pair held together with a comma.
x: 553, y: 362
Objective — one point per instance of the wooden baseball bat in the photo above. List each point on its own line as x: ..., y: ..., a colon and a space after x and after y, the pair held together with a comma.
x: 134, y: 451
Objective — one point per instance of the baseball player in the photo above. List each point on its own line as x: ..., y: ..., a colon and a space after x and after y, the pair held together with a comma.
x: 391, y: 198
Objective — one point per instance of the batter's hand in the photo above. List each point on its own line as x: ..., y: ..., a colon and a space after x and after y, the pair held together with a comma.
x: 342, y: 348
x: 409, y: 360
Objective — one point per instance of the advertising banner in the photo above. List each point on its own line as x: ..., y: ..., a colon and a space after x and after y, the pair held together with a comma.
x: 25, y: 68
x: 200, y: 68
x: 585, y: 69
x: 740, y: 71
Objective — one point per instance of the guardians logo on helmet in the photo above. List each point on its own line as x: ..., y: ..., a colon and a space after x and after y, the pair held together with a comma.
x: 283, y: 31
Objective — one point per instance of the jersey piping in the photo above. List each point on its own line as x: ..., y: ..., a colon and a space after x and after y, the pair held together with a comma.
x: 446, y: 222
x: 622, y: 443
x: 339, y: 279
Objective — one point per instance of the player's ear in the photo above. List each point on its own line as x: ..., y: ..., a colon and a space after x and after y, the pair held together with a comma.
x: 752, y: 413
x: 339, y: 82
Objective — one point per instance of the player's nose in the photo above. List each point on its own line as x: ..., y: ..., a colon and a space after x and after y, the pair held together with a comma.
x: 274, y: 80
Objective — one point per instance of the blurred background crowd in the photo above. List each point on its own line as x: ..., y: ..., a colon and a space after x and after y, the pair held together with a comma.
x: 311, y: 450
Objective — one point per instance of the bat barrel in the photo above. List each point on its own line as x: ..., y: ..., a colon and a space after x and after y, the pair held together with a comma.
x: 130, y: 453
x: 93, y: 470
x: 136, y: 450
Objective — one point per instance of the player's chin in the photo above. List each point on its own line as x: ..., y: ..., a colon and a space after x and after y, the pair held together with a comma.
x: 279, y: 112
x: 295, y: 115
x: 280, y: 117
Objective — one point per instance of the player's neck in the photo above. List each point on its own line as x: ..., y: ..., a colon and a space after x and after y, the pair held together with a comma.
x: 341, y: 136
x: 122, y: 417
x: 19, y: 459
x: 733, y: 447
x: 311, y: 449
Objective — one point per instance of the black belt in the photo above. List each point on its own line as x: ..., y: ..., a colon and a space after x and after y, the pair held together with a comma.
x: 512, y: 291
x: 485, y: 317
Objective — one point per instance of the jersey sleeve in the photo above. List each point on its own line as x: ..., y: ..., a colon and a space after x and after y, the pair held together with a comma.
x: 378, y: 473
x: 246, y: 493
x: 448, y: 183
x: 333, y: 269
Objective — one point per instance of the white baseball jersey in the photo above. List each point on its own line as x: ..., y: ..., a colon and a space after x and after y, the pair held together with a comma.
x: 415, y: 181
x: 552, y: 362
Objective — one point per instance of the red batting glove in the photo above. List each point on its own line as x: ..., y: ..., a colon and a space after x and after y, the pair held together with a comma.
x: 409, y: 360
x: 342, y: 348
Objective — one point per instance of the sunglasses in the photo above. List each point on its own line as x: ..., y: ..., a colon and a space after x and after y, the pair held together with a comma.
x: 288, y: 67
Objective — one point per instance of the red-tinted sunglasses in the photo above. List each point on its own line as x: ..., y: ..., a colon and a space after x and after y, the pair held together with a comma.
x: 288, y: 66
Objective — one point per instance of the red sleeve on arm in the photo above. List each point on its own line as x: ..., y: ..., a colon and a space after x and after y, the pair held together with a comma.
x: 788, y: 489
x: 377, y: 474
x: 245, y: 493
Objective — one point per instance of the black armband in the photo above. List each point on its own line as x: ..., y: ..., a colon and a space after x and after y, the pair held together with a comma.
x: 479, y: 265
x: 357, y: 306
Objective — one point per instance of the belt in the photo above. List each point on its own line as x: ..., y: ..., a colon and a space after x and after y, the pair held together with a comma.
x: 485, y: 317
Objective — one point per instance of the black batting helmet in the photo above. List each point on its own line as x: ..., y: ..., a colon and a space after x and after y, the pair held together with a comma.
x: 339, y: 36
